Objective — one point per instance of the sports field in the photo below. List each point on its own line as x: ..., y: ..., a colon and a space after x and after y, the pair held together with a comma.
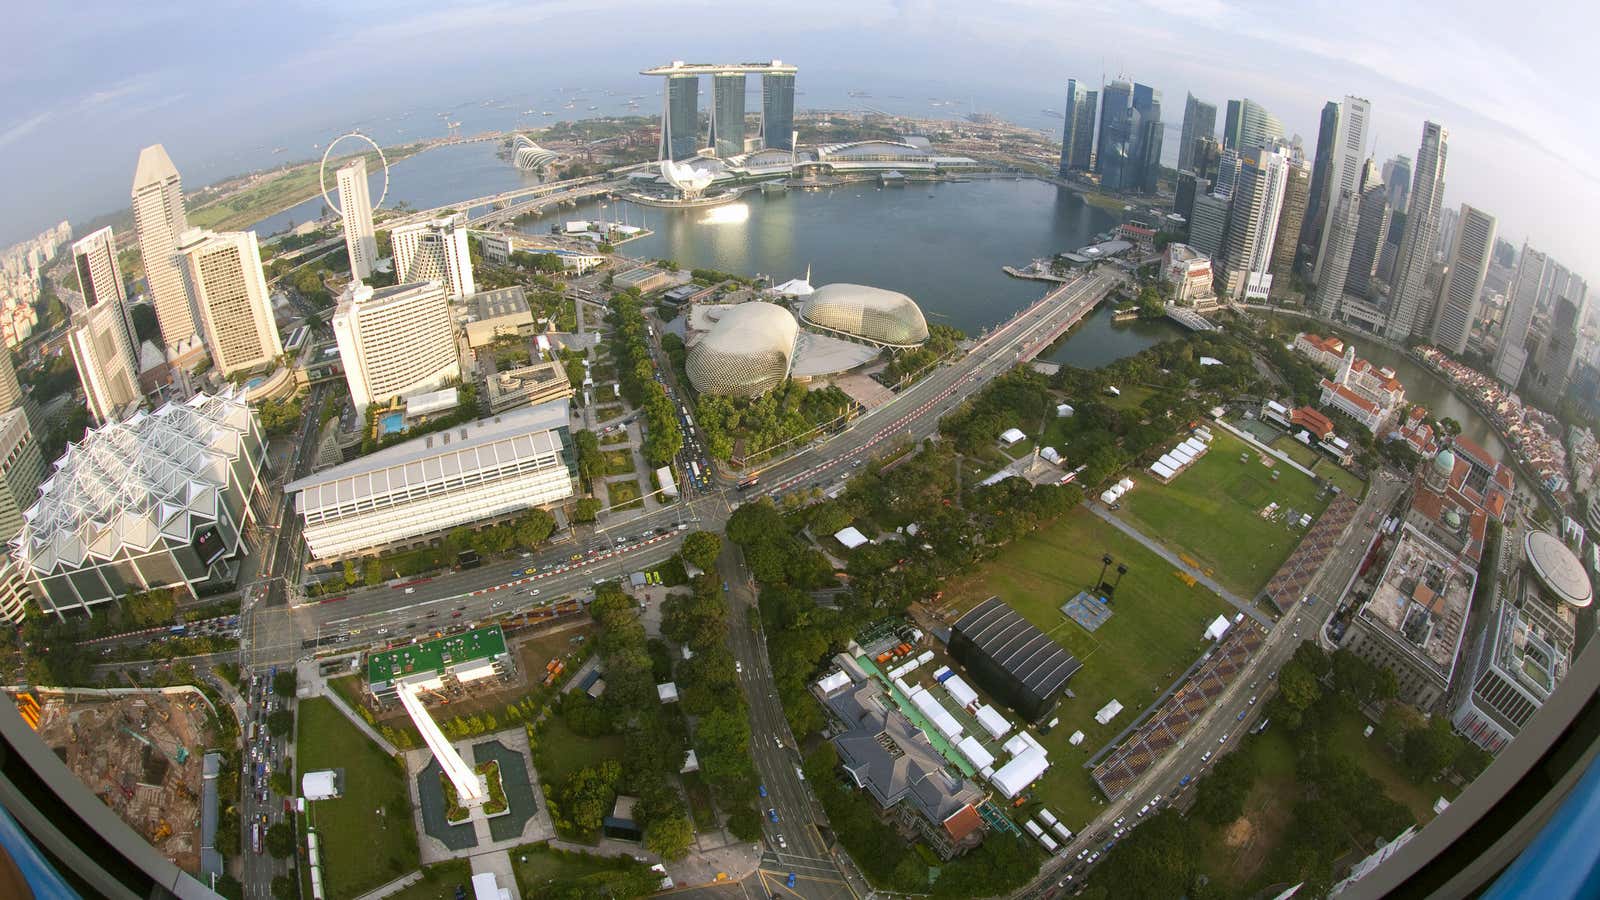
x: 1154, y: 633
x: 1212, y: 513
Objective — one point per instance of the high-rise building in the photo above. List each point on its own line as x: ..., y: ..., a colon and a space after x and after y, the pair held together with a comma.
x: 1204, y: 156
x: 355, y: 206
x: 727, y: 114
x: 1345, y: 166
x: 158, y: 219
x: 1409, y: 299
x: 1189, y: 186
x: 1227, y: 173
x: 223, y: 273
x: 1372, y: 227
x: 1296, y: 194
x: 1511, y: 354
x: 1257, y: 206
x: 1397, y: 175
x: 1248, y: 125
x: 435, y: 250
x: 680, y: 117
x: 1317, y: 205
x: 1449, y: 219
x: 1113, y: 158
x: 777, y: 110
x: 10, y: 390
x: 1147, y: 135
x: 1199, y: 120
x: 102, y: 338
x: 1208, y: 227
x: 22, y: 469
x: 1077, y: 129
x: 1340, y: 231
x: 1558, y: 353
x: 1469, y: 264
x: 395, y: 341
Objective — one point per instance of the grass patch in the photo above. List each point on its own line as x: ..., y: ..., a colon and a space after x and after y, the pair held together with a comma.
x: 1376, y: 760
x: 614, y: 438
x: 705, y: 816
x: 541, y: 869
x: 624, y: 495
x: 1296, y: 451
x: 564, y: 752
x: 619, y: 462
x: 1211, y: 513
x: 608, y: 411
x: 1153, y: 635
x: 363, y: 848
x: 455, y: 812
x: 439, y: 882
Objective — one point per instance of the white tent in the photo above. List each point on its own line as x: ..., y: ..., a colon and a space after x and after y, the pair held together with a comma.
x: 1046, y: 816
x: 850, y: 537
x: 960, y: 691
x: 667, y: 692
x: 1108, y: 496
x: 930, y: 707
x: 1064, y: 410
x: 1018, y: 743
x: 1218, y: 627
x: 992, y: 721
x: 319, y: 785
x: 1023, y: 769
x: 1162, y: 469
x: 1049, y: 454
x: 1076, y: 739
x: 1126, y: 484
x: 832, y: 682
x: 975, y: 751
x: 1108, y: 712
x: 1011, y: 436
x: 1064, y: 831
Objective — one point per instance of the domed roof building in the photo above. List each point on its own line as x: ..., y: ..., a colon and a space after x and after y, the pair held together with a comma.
x: 874, y: 315
x: 529, y: 156
x: 746, y: 353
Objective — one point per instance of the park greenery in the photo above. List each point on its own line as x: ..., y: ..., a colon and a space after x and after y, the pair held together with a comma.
x: 663, y: 436
x: 280, y: 417
x: 941, y: 342
x: 749, y: 427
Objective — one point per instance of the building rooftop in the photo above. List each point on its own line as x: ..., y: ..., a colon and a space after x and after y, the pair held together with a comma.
x: 498, y: 303
x: 455, y: 453
x: 1558, y: 569
x: 1018, y: 646
x: 436, y: 656
x: 1422, y: 601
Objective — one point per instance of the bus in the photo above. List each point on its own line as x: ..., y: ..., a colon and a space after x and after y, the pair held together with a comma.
x: 252, y: 731
x: 255, y: 837
x: 749, y: 483
x: 694, y: 466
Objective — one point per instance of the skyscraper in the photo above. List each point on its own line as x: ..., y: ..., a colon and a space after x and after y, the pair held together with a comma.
x: 1227, y: 173
x: 224, y: 275
x: 1145, y: 156
x: 1189, y: 186
x: 1112, y: 159
x: 1446, y: 236
x: 1248, y: 124
x: 435, y: 250
x: 355, y: 206
x: 1372, y: 226
x: 680, y: 117
x: 1204, y: 155
x: 1253, y: 223
x: 1320, y: 199
x: 1469, y: 263
x: 777, y: 110
x: 1341, y: 234
x: 727, y: 114
x: 1397, y: 175
x: 395, y: 341
x: 22, y: 469
x: 1199, y: 120
x: 10, y: 390
x: 1409, y: 295
x: 1344, y: 168
x: 1208, y: 227
x: 1511, y: 354
x: 1077, y: 129
x: 158, y: 219
x: 1296, y: 191
x: 1559, y: 352
x: 102, y: 341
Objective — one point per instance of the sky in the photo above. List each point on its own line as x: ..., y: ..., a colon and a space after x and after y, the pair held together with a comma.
x: 223, y: 83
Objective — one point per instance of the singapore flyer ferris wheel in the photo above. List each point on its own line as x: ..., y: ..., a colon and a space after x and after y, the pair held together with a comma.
x: 322, y: 173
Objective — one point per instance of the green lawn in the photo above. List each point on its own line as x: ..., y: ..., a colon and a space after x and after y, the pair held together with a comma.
x: 614, y: 438
x: 439, y: 882
x: 1211, y: 512
x: 1376, y: 759
x: 607, y: 412
x: 1320, y: 463
x: 536, y: 865
x: 623, y: 495
x: 362, y: 849
x: 1153, y: 635
x: 565, y: 752
x: 619, y: 462
x: 1296, y: 451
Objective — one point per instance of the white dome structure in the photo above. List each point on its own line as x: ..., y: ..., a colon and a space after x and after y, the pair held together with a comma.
x: 874, y: 315
x: 746, y: 353
x: 686, y: 177
x: 530, y: 156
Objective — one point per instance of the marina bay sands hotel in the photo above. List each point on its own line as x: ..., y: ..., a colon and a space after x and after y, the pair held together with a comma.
x: 680, y: 115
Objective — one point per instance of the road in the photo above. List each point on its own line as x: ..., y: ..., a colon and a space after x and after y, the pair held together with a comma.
x: 1223, y: 727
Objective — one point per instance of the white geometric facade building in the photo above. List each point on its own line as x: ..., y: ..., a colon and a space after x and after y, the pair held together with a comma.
x: 874, y: 315
x: 159, y: 500
x: 746, y: 353
x: 435, y: 250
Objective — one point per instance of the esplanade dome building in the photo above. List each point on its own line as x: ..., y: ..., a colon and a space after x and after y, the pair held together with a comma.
x: 873, y: 315
x: 746, y: 353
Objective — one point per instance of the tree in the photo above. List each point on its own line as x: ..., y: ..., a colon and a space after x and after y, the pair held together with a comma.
x: 280, y: 841
x: 280, y: 722
x: 586, y: 509
x: 280, y: 783
x: 151, y: 607
x: 1297, y: 686
x: 374, y: 573
x: 285, y: 888
x: 534, y: 528
x: 670, y: 836
x: 283, y: 683
x: 586, y: 795
x: 1428, y: 749
x: 700, y: 548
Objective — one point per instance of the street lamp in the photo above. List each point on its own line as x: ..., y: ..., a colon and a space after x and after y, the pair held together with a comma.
x: 1105, y: 562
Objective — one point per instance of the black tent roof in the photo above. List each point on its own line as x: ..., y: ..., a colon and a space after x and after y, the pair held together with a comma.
x: 1018, y: 647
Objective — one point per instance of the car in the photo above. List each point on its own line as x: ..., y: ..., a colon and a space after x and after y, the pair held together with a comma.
x: 1183, y: 782
x: 533, y: 592
x: 782, y: 844
x: 738, y: 667
x: 1252, y: 700
x: 772, y: 814
x: 1240, y: 717
x: 1206, y: 757
x: 411, y: 590
x: 777, y: 742
x: 456, y: 614
x: 724, y: 586
x: 790, y: 880
x: 1223, y: 739
x: 761, y: 789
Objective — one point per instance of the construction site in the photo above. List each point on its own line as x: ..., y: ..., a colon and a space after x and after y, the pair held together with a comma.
x: 141, y: 755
